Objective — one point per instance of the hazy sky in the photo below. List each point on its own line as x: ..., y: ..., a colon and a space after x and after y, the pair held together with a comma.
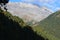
x: 52, y: 4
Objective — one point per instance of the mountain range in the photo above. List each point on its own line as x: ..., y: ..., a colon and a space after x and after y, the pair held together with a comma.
x: 14, y: 27
x: 28, y: 12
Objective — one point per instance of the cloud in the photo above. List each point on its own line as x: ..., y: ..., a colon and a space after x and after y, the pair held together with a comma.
x: 53, y: 7
x: 52, y: 4
x: 27, y: 0
x: 43, y: 1
x: 49, y: 3
x: 58, y: 8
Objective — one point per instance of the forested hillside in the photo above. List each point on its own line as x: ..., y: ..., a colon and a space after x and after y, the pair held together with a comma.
x: 50, y: 26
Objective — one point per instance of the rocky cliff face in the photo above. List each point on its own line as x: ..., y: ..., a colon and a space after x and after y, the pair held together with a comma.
x: 28, y: 12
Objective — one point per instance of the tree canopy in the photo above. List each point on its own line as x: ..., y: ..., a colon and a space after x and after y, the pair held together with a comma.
x: 3, y: 3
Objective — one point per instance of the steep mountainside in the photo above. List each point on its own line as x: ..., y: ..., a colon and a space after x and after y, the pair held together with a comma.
x: 13, y: 28
x: 28, y: 12
x: 51, y: 26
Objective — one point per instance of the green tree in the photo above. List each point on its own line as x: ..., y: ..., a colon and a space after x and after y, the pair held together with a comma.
x: 3, y: 3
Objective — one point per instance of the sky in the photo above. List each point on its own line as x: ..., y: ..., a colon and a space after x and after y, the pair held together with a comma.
x: 54, y: 5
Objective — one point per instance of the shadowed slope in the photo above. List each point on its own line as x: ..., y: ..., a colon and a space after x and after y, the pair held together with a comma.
x: 12, y: 30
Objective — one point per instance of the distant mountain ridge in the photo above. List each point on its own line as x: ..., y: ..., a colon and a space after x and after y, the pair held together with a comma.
x: 28, y: 12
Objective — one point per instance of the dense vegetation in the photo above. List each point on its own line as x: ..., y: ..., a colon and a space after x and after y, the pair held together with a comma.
x: 3, y: 4
x: 14, y: 28
x: 50, y: 27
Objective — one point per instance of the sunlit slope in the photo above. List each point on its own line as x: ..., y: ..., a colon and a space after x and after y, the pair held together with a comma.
x: 50, y: 26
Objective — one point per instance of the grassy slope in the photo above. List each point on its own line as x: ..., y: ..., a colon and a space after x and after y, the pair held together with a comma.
x: 50, y: 27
